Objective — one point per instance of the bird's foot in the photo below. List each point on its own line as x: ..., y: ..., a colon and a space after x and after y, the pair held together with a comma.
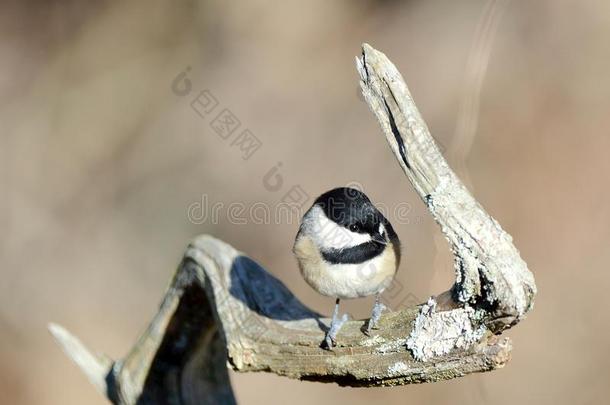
x: 375, y: 315
x: 330, y: 340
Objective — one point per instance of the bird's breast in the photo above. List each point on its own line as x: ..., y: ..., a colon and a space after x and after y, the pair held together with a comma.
x: 345, y: 280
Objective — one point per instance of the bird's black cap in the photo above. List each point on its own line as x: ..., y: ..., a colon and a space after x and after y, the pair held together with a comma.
x: 350, y: 207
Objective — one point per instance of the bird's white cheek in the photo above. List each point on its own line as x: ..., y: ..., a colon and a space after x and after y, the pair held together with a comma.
x: 330, y: 235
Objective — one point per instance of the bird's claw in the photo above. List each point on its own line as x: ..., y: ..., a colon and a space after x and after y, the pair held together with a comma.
x: 375, y: 316
x: 328, y: 343
x: 369, y: 327
x: 330, y: 340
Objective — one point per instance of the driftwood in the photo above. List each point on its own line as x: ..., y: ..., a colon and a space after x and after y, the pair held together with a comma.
x: 224, y: 310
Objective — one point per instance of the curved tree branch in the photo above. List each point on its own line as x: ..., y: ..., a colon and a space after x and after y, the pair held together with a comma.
x: 222, y: 306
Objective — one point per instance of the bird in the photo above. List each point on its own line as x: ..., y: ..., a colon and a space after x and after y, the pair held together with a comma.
x: 346, y: 249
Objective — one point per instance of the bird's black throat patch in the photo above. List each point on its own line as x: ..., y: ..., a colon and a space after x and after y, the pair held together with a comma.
x: 353, y: 255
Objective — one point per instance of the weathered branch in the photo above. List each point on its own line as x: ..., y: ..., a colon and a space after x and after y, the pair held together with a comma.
x: 493, y: 285
x: 222, y: 306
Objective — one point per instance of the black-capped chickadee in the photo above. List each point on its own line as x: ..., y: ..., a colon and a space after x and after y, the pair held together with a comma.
x: 346, y: 248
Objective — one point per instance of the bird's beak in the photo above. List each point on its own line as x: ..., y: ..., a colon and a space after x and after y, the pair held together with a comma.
x: 379, y: 239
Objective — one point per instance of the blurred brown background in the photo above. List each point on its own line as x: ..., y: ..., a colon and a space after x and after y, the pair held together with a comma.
x: 100, y: 162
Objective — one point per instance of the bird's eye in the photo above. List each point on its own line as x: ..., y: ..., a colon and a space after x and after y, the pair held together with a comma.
x: 354, y: 227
